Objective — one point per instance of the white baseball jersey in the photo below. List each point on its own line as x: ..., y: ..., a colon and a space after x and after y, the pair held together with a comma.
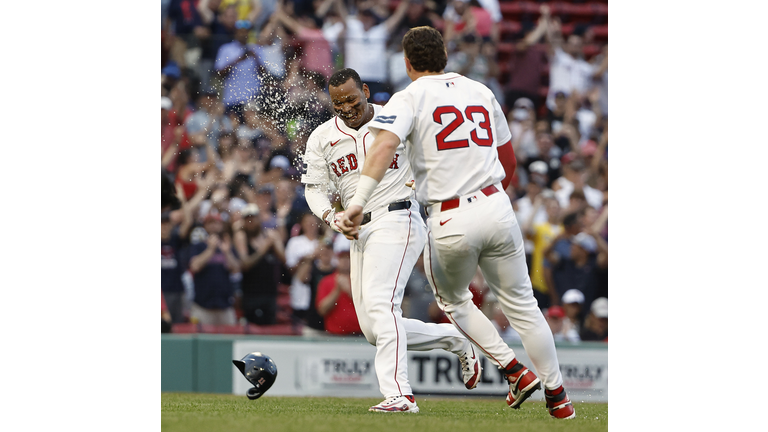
x: 444, y: 138
x: 335, y: 152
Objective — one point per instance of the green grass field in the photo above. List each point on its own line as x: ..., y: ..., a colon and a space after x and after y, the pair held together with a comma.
x: 229, y: 413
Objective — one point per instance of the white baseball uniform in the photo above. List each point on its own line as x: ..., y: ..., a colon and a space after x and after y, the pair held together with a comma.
x: 382, y: 258
x: 453, y: 125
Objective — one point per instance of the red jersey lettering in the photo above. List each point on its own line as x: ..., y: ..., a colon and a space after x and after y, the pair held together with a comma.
x: 343, y: 167
x: 335, y: 170
x: 352, y: 159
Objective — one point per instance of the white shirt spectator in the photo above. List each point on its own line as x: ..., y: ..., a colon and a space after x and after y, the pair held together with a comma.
x: 366, y: 51
x: 594, y: 197
x: 567, y: 74
x: 297, y: 248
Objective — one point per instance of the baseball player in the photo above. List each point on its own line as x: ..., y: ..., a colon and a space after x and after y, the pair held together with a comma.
x: 391, y: 239
x: 453, y: 126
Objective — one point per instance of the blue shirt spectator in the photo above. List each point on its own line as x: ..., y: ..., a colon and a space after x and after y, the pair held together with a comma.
x: 238, y: 63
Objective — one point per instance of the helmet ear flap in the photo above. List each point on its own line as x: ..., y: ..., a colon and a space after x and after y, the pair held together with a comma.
x: 253, y: 393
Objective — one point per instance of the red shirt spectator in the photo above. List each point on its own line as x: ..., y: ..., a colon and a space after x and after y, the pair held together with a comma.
x: 334, y: 300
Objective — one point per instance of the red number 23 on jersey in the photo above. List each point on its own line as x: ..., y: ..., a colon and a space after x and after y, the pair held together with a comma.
x: 458, y: 120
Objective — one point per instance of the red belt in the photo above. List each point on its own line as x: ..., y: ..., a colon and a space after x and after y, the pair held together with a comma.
x: 453, y: 203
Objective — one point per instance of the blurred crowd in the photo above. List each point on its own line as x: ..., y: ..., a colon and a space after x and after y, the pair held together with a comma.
x: 244, y: 83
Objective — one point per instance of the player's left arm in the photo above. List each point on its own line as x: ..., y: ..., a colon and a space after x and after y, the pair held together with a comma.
x: 504, y: 145
x: 508, y: 161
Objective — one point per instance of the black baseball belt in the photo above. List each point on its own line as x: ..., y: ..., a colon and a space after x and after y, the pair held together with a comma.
x: 400, y: 205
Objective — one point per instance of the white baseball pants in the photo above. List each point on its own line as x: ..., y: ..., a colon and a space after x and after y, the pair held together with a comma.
x: 483, y: 231
x: 381, y: 263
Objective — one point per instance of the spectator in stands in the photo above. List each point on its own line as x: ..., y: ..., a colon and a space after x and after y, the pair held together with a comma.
x: 334, y: 298
x: 365, y: 45
x: 574, y: 179
x: 541, y: 235
x: 600, y: 78
x: 248, y: 10
x: 535, y: 184
x: 221, y: 203
x: 288, y: 213
x: 189, y: 169
x: 522, y: 118
x: 265, y: 200
x: 573, y: 302
x: 528, y: 62
x: 208, y: 122
x: 556, y: 115
x: 463, y: 17
x: 238, y: 63
x: 322, y: 266
x: 212, y: 262
x: 170, y: 136
x: 419, y: 13
x: 568, y: 71
x: 588, y: 254
x: 556, y: 319
x: 300, y: 252
x: 187, y: 27
x: 179, y: 112
x: 261, y: 256
x: 596, y: 323
x: 307, y: 29
x: 175, y: 227
x: 241, y: 160
x: 172, y: 264
x: 547, y: 153
x: 221, y: 25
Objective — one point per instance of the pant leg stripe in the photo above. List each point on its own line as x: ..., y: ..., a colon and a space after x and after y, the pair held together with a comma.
x: 392, y: 301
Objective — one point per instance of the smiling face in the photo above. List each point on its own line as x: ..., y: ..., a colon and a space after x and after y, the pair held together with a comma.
x: 351, y: 103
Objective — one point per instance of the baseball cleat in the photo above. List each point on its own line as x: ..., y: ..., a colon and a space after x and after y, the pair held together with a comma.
x: 470, y: 367
x: 558, y: 404
x: 404, y: 403
x: 522, y: 384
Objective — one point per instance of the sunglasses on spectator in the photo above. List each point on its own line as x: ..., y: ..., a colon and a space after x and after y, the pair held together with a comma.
x: 243, y: 24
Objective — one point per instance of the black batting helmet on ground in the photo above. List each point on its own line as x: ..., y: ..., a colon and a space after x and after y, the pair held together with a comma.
x: 260, y: 370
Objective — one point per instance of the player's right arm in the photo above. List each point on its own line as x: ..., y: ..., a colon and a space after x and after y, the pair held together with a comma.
x: 315, y: 176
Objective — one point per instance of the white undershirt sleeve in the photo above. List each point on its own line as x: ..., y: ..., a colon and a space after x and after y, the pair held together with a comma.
x: 317, y: 199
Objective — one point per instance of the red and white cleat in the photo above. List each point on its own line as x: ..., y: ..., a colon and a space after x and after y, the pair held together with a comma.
x: 558, y: 404
x: 404, y: 403
x: 522, y: 384
x: 470, y: 367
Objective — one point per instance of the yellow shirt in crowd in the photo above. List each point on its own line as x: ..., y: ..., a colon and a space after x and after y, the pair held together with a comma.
x: 543, y: 234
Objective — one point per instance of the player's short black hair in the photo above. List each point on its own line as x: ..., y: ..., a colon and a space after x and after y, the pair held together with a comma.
x: 343, y: 75
x: 425, y: 49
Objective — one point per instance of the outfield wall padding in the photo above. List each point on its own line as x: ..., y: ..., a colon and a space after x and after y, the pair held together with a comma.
x: 337, y: 366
